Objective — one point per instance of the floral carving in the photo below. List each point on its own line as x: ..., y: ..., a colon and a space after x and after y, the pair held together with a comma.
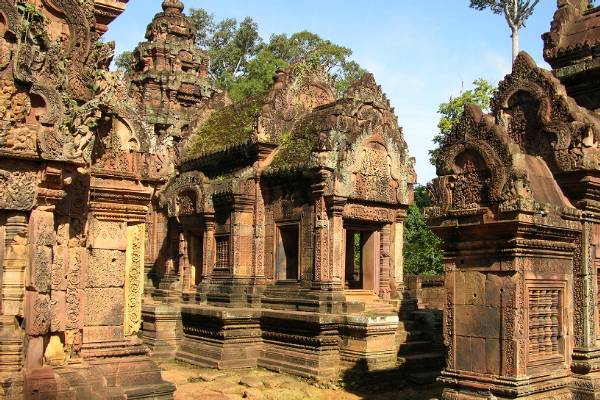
x: 134, y: 278
x: 17, y: 188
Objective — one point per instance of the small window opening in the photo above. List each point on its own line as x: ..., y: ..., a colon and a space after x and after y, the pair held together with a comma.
x: 222, y: 253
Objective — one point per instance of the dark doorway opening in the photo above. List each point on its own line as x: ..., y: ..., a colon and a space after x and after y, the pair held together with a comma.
x: 288, y: 246
x: 361, y: 259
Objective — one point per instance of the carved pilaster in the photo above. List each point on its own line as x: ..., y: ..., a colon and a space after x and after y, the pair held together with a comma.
x: 397, y: 254
x: 134, y: 278
x: 259, y: 232
x: 15, y: 262
x: 336, y: 235
x: 208, y: 257
x: 384, y: 264
x: 585, y: 291
x: 322, y: 270
x: 242, y: 236
x: 184, y: 262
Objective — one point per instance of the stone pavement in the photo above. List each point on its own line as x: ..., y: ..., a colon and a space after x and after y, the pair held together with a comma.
x: 195, y: 383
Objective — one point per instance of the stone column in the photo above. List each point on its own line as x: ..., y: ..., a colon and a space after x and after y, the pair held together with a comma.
x: 15, y: 262
x: 242, y: 237
x: 259, y: 232
x: 384, y: 264
x: 42, y: 238
x: 110, y: 249
x: 585, y: 289
x: 397, y: 256
x: 184, y: 262
x: 336, y: 233
x: 208, y: 246
x: 322, y: 270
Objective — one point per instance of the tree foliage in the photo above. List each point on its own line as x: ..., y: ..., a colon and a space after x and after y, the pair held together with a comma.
x: 451, y: 111
x: 124, y: 61
x: 422, y: 248
x: 244, y: 63
x: 516, y: 13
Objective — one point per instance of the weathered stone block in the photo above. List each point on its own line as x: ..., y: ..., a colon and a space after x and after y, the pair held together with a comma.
x: 221, y: 338
x: 42, y: 232
x: 106, y: 268
x: 104, y: 306
x: 59, y: 268
x: 479, y: 321
x: 474, y: 289
x: 463, y: 357
x: 301, y: 343
x: 493, y: 356
x: 41, y: 262
x: 93, y: 334
x: 37, y: 308
x: 110, y: 235
x: 58, y: 306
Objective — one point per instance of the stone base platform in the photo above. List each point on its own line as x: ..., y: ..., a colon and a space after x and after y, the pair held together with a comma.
x: 161, y: 330
x: 459, y: 386
x: 369, y: 340
x: 221, y: 338
x: 301, y: 343
x: 115, y: 379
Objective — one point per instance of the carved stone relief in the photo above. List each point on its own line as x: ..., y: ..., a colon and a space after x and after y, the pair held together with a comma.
x: 134, y: 278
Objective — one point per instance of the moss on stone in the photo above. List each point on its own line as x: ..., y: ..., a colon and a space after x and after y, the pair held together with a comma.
x: 226, y: 127
x: 296, y: 149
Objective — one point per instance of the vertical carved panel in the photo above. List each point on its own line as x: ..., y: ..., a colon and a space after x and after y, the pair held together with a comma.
x: 207, y: 250
x: 134, y: 282
x: 384, y: 269
x: 321, y: 241
x: 259, y: 232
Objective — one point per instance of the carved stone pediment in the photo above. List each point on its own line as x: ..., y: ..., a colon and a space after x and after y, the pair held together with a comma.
x: 183, y: 195
x: 538, y: 115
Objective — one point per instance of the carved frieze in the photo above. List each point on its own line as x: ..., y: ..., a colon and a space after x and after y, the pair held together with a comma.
x: 369, y: 213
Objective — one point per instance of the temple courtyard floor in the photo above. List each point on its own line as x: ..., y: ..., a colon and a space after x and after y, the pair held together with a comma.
x: 195, y: 383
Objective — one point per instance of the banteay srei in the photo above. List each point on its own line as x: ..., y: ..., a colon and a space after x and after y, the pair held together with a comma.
x: 169, y: 233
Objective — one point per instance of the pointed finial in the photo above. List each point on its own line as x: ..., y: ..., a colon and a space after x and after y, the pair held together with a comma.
x: 173, y: 6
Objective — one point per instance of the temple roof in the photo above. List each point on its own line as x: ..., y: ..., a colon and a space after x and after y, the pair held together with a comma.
x: 171, y: 24
x: 572, y: 47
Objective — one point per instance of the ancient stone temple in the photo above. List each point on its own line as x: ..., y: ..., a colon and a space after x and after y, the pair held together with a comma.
x: 285, y: 231
x: 517, y: 207
x: 146, y: 217
x: 275, y: 234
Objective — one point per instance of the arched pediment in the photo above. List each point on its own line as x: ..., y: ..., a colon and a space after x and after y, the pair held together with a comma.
x: 475, y: 162
x: 537, y: 114
x: 184, y: 195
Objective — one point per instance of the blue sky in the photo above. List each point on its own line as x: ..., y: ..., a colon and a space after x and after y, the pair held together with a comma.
x: 420, y: 51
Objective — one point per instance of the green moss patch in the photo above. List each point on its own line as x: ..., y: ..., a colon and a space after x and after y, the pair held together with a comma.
x: 296, y: 149
x: 228, y: 126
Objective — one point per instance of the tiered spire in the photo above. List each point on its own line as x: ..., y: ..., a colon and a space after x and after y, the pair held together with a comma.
x: 173, y: 6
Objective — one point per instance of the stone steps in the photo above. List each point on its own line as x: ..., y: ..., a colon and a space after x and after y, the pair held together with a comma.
x: 414, y: 347
x: 422, y: 378
x: 419, y: 358
x: 421, y: 362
